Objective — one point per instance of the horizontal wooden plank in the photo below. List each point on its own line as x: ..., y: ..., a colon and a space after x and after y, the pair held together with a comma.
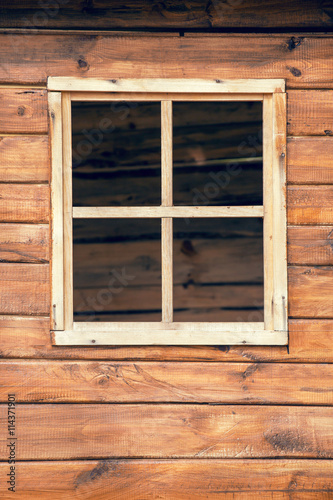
x: 90, y: 334
x: 310, y: 112
x: 25, y: 289
x: 24, y: 243
x: 24, y: 202
x: 131, y: 14
x: 177, y: 479
x: 169, y: 431
x: 310, y: 245
x: 125, y: 382
x: 24, y: 159
x: 29, y: 337
x: 310, y: 160
x: 94, y: 97
x: 302, y: 61
x: 158, y: 212
x: 23, y: 111
x: 162, y: 85
x: 310, y: 205
x: 310, y: 292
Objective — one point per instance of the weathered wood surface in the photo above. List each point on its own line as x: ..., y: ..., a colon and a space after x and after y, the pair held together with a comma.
x: 24, y: 159
x: 24, y: 243
x: 29, y: 337
x: 24, y: 202
x: 24, y: 288
x: 310, y: 160
x: 310, y: 292
x: 310, y: 205
x: 228, y: 383
x: 133, y: 14
x: 66, y: 431
x: 23, y: 111
x: 302, y: 61
x: 187, y: 479
x: 30, y: 203
x: 310, y: 112
x: 310, y: 245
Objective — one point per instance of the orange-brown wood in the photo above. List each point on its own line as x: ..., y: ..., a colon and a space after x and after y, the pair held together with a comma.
x: 69, y: 431
x: 24, y: 243
x: 24, y: 159
x: 310, y: 205
x: 131, y: 14
x: 23, y: 111
x: 29, y: 337
x: 310, y: 160
x: 25, y: 288
x: 187, y: 479
x: 310, y: 112
x: 310, y: 292
x: 302, y: 61
x: 259, y: 382
x: 310, y: 245
x: 24, y: 202
x: 126, y: 382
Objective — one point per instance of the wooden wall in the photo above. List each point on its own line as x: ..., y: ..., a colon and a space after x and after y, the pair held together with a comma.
x: 167, y: 422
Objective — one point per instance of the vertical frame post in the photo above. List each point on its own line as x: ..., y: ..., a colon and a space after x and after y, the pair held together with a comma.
x: 268, y: 210
x: 57, y: 265
x: 167, y: 201
x: 68, y: 210
x: 280, y: 216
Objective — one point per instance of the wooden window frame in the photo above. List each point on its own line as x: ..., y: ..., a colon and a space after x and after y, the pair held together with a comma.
x: 274, y: 329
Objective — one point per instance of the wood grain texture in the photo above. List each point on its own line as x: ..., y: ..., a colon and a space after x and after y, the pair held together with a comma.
x: 24, y: 159
x: 57, y: 210
x: 200, y: 85
x: 125, y: 382
x: 29, y: 337
x: 310, y: 245
x: 172, y: 479
x: 310, y: 112
x: 310, y: 205
x: 25, y: 289
x: 302, y: 61
x: 24, y: 203
x: 311, y: 292
x: 24, y: 243
x: 66, y: 431
x: 310, y: 160
x: 132, y: 14
x: 23, y: 111
x: 166, y: 212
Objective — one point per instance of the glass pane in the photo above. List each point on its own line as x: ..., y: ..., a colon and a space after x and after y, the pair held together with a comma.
x: 217, y: 153
x: 117, y: 270
x: 218, y: 270
x: 116, y: 153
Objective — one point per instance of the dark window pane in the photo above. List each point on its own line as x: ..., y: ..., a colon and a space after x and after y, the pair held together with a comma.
x: 116, y: 153
x: 217, y: 153
x: 117, y: 270
x: 218, y: 270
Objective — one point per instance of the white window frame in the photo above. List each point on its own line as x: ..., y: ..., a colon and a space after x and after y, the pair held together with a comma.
x: 274, y: 329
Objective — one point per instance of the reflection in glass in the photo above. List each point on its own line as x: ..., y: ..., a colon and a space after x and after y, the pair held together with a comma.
x: 116, y: 153
x: 117, y: 270
x: 217, y: 153
x: 218, y: 270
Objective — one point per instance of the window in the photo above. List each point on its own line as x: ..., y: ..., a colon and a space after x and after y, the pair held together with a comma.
x: 208, y: 266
